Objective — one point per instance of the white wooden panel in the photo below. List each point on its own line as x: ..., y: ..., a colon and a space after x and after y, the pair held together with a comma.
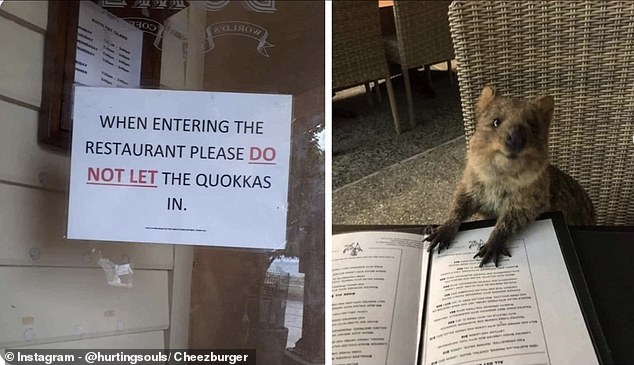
x: 33, y: 225
x: 180, y: 293
x: 22, y: 159
x: 173, y: 54
x: 144, y: 340
x: 21, y: 62
x: 195, y: 77
x: 35, y: 12
x: 183, y: 68
x: 41, y: 305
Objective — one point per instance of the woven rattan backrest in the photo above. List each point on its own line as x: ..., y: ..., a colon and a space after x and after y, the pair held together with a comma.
x: 582, y: 53
x: 423, y: 32
x: 357, y: 47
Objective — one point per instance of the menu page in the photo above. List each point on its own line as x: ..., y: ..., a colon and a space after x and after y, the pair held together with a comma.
x: 108, y: 49
x: 524, y: 311
x: 378, y: 283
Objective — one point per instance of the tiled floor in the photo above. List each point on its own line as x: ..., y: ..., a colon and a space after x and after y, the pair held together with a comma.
x: 383, y: 178
x: 415, y: 191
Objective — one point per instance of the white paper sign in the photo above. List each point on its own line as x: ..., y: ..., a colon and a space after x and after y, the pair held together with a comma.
x: 181, y: 167
x: 108, y: 49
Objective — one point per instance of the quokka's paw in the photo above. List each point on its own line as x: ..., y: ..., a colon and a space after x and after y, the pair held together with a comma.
x: 442, y: 236
x: 491, y: 251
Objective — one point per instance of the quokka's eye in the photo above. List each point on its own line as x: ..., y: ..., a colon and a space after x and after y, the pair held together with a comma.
x: 496, y: 122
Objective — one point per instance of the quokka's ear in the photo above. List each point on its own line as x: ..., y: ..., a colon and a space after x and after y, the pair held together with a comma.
x: 486, y: 97
x: 545, y: 106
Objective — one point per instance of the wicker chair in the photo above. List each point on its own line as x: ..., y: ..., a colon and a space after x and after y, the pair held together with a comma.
x: 422, y: 39
x: 582, y: 53
x: 357, y: 49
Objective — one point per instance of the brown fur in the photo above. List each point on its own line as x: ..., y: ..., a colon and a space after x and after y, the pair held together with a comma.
x: 508, y: 175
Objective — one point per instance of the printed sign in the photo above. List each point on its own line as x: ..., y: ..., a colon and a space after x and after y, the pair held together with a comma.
x: 181, y: 167
x: 108, y: 49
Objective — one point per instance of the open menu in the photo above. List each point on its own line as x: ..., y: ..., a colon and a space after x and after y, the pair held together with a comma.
x: 396, y: 303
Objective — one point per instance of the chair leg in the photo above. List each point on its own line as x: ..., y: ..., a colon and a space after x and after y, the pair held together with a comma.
x: 393, y: 107
x: 428, y: 75
x: 378, y: 91
x: 368, y: 93
x: 449, y: 72
x: 410, y: 100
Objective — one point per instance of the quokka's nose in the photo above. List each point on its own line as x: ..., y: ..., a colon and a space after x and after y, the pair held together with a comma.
x: 515, y: 140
